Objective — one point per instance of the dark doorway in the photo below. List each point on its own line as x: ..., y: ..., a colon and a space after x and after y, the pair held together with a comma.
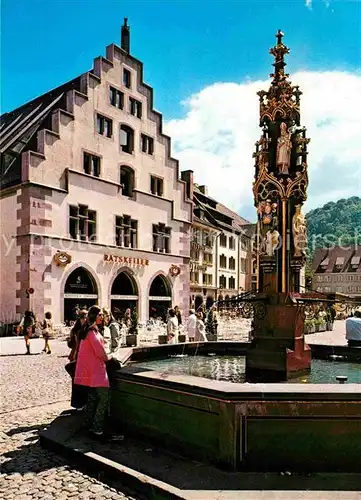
x: 209, y: 302
x: 198, y: 302
x: 123, y: 295
x: 160, y: 298
x: 80, y: 292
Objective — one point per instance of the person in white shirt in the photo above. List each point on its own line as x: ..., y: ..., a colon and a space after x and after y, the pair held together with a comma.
x: 191, y: 326
x: 200, y: 335
x: 105, y: 331
x: 353, y: 330
x: 172, y: 327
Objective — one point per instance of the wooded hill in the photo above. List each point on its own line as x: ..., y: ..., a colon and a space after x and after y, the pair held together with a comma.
x: 336, y: 223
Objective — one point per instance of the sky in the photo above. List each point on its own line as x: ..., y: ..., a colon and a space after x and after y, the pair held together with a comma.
x: 206, y: 60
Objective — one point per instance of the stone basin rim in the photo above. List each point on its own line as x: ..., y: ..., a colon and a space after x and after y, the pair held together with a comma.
x: 233, y: 391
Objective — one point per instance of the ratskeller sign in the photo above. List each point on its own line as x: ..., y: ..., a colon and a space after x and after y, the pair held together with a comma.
x: 117, y: 259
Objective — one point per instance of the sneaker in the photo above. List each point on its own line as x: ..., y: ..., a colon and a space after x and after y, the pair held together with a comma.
x: 96, y: 433
x: 49, y: 352
x: 116, y: 438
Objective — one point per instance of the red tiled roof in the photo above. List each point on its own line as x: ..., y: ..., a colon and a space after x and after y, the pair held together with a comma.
x: 337, y: 259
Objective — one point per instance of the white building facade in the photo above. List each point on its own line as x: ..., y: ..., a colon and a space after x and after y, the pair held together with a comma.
x: 92, y: 208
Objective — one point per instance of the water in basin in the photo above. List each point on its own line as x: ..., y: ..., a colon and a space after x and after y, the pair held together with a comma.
x: 232, y: 369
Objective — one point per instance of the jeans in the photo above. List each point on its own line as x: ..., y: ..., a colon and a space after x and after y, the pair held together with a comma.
x: 97, y: 408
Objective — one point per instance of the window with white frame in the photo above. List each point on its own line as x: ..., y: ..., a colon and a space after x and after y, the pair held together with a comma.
x: 127, y: 180
x: 156, y: 185
x: 135, y: 107
x: 127, y: 78
x: 126, y: 138
x: 126, y: 230
x: 161, y: 238
x: 147, y: 144
x: 104, y: 125
x: 116, y: 98
x: 91, y: 164
x: 222, y: 261
x: 82, y: 223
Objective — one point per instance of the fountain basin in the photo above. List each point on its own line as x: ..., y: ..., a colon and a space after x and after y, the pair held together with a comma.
x: 260, y: 427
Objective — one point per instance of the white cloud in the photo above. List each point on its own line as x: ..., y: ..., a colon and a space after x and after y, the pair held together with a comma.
x: 216, y: 137
x: 308, y: 4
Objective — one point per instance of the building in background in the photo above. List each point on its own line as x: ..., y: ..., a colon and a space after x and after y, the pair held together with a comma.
x: 92, y: 207
x: 221, y: 249
x: 337, y: 270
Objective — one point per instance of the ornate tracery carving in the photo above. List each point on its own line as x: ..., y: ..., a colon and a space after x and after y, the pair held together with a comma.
x: 280, y: 169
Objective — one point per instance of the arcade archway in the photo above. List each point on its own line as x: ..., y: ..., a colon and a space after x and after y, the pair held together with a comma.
x: 80, y: 292
x: 160, y: 297
x: 198, y: 302
x: 123, y: 295
x: 209, y: 302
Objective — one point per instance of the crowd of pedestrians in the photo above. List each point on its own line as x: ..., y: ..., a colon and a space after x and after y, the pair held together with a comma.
x: 195, y: 327
x: 94, y: 341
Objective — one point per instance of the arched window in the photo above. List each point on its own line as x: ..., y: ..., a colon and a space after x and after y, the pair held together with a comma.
x: 222, y: 261
x: 126, y: 139
x: 159, y: 287
x: 231, y: 283
x: 232, y: 263
x: 124, y: 285
x: 127, y: 180
x: 123, y: 295
x: 160, y: 297
x: 232, y: 243
x: 80, y: 292
x: 222, y: 281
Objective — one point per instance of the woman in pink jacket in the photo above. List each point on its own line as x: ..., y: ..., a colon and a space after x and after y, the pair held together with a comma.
x: 91, y: 372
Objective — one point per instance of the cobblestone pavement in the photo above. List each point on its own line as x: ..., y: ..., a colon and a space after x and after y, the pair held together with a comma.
x: 34, y: 390
x: 336, y: 337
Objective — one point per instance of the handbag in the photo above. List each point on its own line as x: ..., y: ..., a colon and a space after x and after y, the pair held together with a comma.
x: 112, y: 366
x: 70, y: 368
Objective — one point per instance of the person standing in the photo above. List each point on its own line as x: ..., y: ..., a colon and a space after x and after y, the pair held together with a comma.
x: 79, y: 393
x: 105, y: 330
x: 91, y: 372
x: 115, y: 333
x: 353, y: 330
x: 172, y: 327
x: 47, y: 330
x: 200, y: 333
x: 178, y: 315
x: 191, y: 327
x: 27, y: 327
x: 127, y: 318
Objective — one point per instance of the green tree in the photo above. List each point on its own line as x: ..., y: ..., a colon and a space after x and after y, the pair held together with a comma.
x: 336, y: 223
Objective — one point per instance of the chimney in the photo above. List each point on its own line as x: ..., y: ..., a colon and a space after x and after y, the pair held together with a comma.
x: 203, y: 189
x: 125, y: 37
x: 187, y: 177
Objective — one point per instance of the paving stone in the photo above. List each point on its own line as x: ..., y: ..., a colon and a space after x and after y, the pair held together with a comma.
x: 30, y: 472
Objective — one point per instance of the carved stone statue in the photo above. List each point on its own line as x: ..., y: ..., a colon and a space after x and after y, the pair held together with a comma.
x: 284, y: 150
x: 299, y: 232
x: 273, y: 240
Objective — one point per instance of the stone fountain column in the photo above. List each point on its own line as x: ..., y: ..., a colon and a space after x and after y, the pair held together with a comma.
x: 278, y: 350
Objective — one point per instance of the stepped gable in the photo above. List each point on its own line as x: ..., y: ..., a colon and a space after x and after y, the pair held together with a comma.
x: 43, y: 116
x: 19, y: 128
